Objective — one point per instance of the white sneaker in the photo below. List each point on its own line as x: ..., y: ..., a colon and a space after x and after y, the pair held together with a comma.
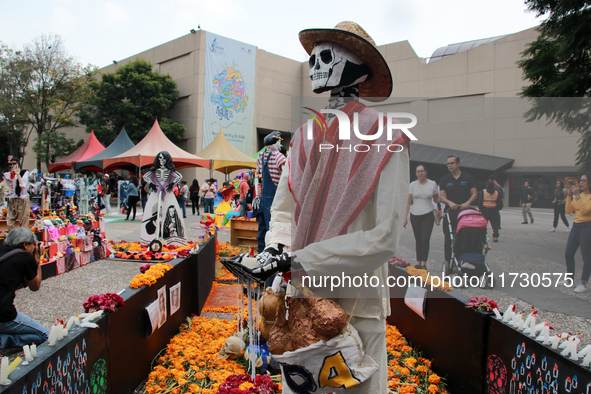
x: 553, y: 229
x: 580, y: 288
x: 564, y: 282
x: 567, y: 229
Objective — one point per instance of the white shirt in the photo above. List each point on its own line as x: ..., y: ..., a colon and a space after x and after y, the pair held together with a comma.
x: 422, y: 196
x: 11, y: 182
x: 369, y: 242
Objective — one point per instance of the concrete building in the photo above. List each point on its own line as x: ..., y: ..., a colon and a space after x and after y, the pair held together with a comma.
x: 464, y: 97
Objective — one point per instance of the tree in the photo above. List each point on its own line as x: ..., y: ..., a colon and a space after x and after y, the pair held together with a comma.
x: 12, y: 121
x: 50, y: 145
x: 558, y: 65
x: 49, y: 85
x: 133, y: 96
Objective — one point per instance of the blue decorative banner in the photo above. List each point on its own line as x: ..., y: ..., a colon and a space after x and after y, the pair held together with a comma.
x: 229, y: 92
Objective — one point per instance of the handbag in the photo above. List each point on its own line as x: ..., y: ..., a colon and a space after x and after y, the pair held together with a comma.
x: 436, y: 214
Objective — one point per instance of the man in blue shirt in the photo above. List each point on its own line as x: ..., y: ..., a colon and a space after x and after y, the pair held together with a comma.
x: 457, y: 192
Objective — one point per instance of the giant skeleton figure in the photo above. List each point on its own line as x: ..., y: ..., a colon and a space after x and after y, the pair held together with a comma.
x: 162, y: 215
x: 347, y: 205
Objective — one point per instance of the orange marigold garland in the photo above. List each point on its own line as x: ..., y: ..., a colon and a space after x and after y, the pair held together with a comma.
x: 150, y: 277
x: 407, y: 371
x: 190, y: 363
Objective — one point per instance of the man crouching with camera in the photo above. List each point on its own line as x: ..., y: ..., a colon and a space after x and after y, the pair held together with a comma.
x: 19, y: 267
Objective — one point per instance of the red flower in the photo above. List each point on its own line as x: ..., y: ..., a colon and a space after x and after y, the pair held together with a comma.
x: 145, y: 267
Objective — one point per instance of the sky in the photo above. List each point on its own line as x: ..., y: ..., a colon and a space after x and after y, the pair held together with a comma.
x: 98, y: 32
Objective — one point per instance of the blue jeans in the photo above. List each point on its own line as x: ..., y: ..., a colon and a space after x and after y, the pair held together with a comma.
x: 184, y: 206
x: 21, y: 331
x: 208, y: 205
x: 243, y: 207
x: 580, y: 235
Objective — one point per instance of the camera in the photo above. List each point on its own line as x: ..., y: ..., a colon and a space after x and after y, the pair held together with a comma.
x: 571, y: 182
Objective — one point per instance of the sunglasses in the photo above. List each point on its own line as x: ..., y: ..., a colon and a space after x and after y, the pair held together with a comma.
x: 12, y: 164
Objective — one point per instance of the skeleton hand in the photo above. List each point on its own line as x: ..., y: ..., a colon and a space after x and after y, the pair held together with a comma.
x: 278, y: 263
x: 270, y: 251
x: 256, y: 203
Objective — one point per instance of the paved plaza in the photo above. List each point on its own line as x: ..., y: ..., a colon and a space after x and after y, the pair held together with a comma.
x: 521, y: 249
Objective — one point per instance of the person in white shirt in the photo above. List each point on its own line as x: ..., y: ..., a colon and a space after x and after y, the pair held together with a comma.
x: 19, y: 205
x: 208, y: 190
x: 420, y: 194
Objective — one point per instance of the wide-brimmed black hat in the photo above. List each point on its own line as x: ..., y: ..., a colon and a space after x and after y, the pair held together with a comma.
x: 352, y: 36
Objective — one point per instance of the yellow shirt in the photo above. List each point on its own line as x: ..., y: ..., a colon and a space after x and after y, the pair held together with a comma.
x: 581, y: 207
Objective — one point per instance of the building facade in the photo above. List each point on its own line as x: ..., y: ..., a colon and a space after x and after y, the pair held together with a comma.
x: 465, y: 98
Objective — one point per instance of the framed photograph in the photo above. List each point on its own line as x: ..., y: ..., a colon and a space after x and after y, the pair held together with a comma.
x: 162, y: 305
x: 175, y: 298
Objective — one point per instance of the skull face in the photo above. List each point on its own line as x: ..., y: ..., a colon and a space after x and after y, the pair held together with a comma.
x: 232, y: 349
x: 333, y: 66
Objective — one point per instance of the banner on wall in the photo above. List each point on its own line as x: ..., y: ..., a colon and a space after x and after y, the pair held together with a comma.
x: 229, y: 92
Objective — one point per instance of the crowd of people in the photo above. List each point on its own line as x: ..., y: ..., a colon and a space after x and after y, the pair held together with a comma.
x: 457, y: 192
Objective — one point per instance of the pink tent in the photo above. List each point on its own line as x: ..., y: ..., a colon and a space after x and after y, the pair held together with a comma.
x: 91, y: 147
x: 144, y: 153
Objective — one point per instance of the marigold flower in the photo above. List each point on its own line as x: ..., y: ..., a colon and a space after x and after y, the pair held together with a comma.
x: 434, y: 379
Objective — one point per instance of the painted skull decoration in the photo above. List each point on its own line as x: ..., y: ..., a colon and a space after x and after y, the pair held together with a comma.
x: 333, y: 66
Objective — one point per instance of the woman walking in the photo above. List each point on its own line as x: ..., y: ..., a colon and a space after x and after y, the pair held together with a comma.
x: 132, y: 197
x: 579, y: 203
x: 419, y: 204
x: 194, y: 194
x: 559, y: 202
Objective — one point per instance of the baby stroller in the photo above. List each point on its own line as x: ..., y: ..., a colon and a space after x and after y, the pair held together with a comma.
x: 469, y: 247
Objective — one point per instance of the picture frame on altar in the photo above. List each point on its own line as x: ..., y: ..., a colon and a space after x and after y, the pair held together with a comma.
x: 175, y: 298
x: 162, y: 306
x: 414, y: 298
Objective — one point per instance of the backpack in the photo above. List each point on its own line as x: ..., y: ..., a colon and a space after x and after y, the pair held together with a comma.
x: 99, y: 189
x: 175, y: 190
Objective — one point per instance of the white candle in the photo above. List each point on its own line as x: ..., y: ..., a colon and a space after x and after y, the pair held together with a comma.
x: 4, y: 372
x: 571, y: 347
x: 586, y: 353
x: 497, y: 314
x: 520, y: 322
x: 532, y: 327
x: 545, y: 334
x: 70, y: 323
x: 555, y: 339
x: 52, y: 336
x: 27, y: 351
x: 60, y: 332
x: 508, y: 315
x: 34, y: 350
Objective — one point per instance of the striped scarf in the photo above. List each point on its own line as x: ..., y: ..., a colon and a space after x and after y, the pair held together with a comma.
x: 331, y: 188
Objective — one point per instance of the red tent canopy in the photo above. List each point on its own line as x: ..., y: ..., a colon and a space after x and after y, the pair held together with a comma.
x: 144, y: 153
x: 91, y: 147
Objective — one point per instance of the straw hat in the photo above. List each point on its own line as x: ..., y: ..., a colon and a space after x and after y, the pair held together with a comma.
x: 352, y: 36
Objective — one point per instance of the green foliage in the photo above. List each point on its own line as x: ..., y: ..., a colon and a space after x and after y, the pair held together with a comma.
x: 558, y: 64
x: 12, y: 120
x: 48, y: 146
x: 46, y: 86
x: 134, y: 96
